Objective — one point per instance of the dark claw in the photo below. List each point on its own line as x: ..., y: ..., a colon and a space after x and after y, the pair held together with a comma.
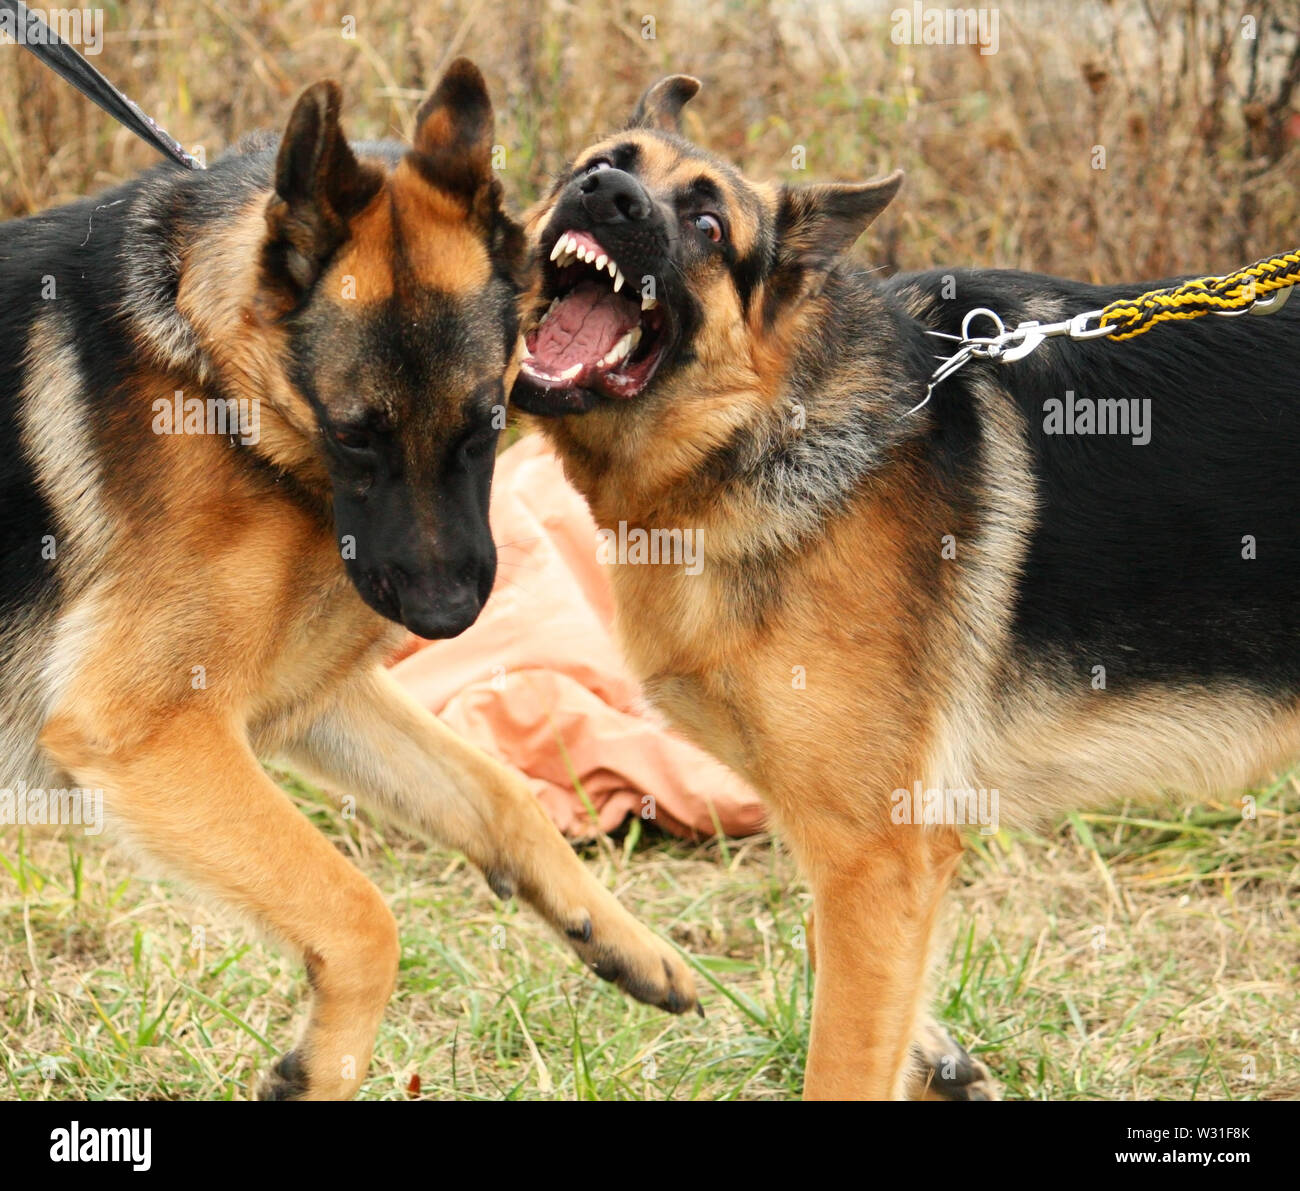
x: 605, y: 969
x: 287, y: 1080
x: 581, y: 934
x: 500, y: 884
x: 967, y: 1081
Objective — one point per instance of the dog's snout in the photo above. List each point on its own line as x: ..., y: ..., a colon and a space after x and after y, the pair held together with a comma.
x: 614, y: 196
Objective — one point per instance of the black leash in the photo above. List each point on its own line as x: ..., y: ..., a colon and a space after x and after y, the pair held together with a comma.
x: 32, y: 32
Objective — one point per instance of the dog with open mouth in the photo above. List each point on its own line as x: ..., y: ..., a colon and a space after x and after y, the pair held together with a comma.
x: 599, y: 336
x: 906, y: 593
x: 185, y: 595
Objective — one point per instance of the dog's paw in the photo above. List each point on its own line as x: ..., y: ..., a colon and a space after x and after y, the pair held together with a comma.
x: 619, y: 949
x: 943, y: 1070
x: 611, y: 942
x: 650, y: 972
x: 287, y: 1080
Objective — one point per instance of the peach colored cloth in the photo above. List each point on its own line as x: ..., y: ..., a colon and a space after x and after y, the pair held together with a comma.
x: 538, y: 681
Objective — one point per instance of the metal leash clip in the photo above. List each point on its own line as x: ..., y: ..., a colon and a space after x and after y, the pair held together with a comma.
x: 1004, y: 346
x: 1270, y: 305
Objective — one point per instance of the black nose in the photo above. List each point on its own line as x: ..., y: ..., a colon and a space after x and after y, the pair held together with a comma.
x: 447, y: 617
x: 614, y: 196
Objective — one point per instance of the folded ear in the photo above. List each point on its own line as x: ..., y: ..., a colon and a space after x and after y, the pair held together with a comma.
x: 661, y: 106
x: 816, y: 224
x: 319, y: 187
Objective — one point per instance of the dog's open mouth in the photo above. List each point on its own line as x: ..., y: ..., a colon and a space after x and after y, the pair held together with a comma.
x: 599, y: 333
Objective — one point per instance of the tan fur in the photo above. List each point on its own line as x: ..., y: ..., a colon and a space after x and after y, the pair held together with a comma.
x: 875, y: 665
x: 300, y: 675
x: 206, y: 619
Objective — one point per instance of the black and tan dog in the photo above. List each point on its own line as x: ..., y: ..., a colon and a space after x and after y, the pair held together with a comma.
x: 945, y: 600
x: 248, y: 420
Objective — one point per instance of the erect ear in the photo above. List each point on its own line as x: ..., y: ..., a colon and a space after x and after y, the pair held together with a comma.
x: 816, y: 224
x: 454, y: 132
x: 661, y: 106
x: 319, y: 187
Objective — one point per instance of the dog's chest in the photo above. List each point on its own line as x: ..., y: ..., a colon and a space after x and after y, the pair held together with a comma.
x: 330, y: 636
x: 681, y: 643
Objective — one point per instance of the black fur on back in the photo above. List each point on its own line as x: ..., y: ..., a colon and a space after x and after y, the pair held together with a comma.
x: 109, y: 258
x: 1136, y: 561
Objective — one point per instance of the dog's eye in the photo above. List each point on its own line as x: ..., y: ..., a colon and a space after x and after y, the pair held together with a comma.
x: 352, y: 440
x: 710, y: 225
x: 480, y: 441
x: 601, y: 163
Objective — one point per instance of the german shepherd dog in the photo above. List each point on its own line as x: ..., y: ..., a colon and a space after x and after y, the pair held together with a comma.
x: 179, y: 602
x: 893, y: 599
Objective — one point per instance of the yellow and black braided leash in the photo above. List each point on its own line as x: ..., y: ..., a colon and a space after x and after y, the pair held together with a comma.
x: 1234, y: 293
x: 1261, y: 288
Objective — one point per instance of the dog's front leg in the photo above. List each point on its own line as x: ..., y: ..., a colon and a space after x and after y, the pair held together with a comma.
x: 374, y: 741
x: 195, y: 798
x: 877, y: 894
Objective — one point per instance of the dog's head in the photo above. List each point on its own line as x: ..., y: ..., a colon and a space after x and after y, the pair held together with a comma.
x: 390, y: 274
x: 662, y: 271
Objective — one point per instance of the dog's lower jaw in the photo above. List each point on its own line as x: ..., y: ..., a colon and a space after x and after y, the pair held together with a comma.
x: 544, y: 402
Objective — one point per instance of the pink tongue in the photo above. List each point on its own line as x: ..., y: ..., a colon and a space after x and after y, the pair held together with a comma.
x: 584, y: 327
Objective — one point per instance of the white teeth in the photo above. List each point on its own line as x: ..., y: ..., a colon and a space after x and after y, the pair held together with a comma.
x: 648, y: 303
x: 570, y: 373
x: 568, y: 249
x: 563, y: 252
x: 623, y: 348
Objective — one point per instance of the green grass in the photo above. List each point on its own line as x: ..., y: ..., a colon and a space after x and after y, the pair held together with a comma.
x: 1120, y: 956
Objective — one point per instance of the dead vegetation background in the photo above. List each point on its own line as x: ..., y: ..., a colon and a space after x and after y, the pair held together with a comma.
x: 1129, y: 955
x: 1198, y: 120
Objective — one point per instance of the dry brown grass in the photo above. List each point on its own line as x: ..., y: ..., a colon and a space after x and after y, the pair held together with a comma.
x: 1104, y: 960
x: 1199, y: 124
x: 102, y: 992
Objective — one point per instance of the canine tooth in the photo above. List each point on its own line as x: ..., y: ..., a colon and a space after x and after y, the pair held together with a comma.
x: 612, y: 267
x: 649, y: 303
x: 559, y: 247
x: 570, y: 373
x: 624, y: 347
x: 600, y: 261
x: 618, y: 277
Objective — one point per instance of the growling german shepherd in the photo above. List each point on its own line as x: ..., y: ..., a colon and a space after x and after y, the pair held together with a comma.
x: 943, y: 599
x: 178, y: 602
